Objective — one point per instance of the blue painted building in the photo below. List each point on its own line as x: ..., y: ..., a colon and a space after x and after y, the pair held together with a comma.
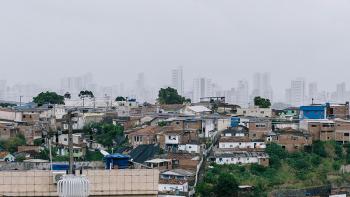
x: 117, y: 161
x: 313, y: 112
x: 235, y: 121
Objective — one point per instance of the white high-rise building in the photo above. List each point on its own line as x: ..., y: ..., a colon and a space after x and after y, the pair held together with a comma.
x: 242, y: 94
x: 298, y: 92
x: 313, y: 93
x: 262, y: 86
x: 177, y: 80
x: 2, y: 89
x: 202, y: 87
x: 341, y: 93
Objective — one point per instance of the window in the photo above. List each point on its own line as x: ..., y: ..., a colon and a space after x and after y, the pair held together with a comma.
x: 260, y: 125
x: 346, y: 134
x: 313, y: 125
x: 65, y: 139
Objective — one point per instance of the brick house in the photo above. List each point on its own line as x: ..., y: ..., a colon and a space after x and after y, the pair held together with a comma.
x: 290, y: 139
x: 338, y: 111
x: 323, y: 130
x: 258, y: 128
x: 184, y: 161
x: 342, y: 130
x: 147, y: 135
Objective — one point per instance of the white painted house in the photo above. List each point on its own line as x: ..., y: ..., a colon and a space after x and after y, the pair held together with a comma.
x: 190, y: 148
x: 240, y: 143
x: 172, y: 185
x: 195, y: 110
x: 240, y: 158
x: 255, y: 112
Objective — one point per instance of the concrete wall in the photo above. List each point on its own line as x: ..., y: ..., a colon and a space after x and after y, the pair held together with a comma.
x: 137, y: 182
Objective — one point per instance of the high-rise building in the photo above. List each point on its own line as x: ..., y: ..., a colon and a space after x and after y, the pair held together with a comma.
x: 262, y: 86
x: 297, y: 92
x: 177, y: 80
x: 313, y: 93
x: 202, y: 87
x: 2, y: 89
x: 340, y: 94
x: 242, y: 94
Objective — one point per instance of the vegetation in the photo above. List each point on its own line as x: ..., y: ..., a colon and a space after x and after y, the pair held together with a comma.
x: 162, y: 123
x: 105, y: 133
x: 86, y: 94
x: 286, y: 171
x: 93, y: 156
x: 120, y: 98
x: 48, y: 98
x: 45, y: 155
x: 5, y: 105
x: 170, y: 96
x: 262, y: 102
x: 67, y: 95
x: 12, y: 144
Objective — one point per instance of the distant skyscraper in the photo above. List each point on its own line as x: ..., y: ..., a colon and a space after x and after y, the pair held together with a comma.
x: 202, y: 87
x: 340, y: 93
x: 262, y: 86
x: 313, y: 93
x: 298, y: 92
x: 242, y: 93
x: 177, y: 80
x: 2, y: 89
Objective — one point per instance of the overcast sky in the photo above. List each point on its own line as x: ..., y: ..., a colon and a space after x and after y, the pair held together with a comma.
x: 43, y: 41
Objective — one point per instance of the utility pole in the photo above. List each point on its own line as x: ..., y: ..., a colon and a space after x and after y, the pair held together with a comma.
x: 20, y: 101
x: 70, y: 142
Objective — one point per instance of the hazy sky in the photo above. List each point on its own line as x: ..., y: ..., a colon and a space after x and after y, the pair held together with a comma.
x: 42, y: 41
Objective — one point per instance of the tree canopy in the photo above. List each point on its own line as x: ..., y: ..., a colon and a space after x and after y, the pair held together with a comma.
x: 120, y: 98
x: 12, y: 144
x: 262, y: 102
x: 7, y: 105
x: 85, y: 94
x: 67, y: 95
x: 105, y: 133
x: 48, y: 98
x: 170, y: 96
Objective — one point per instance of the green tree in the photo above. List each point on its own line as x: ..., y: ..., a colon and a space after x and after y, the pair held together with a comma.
x: 105, y: 133
x: 48, y: 98
x: 170, y: 96
x: 5, y: 105
x: 226, y: 186
x: 86, y: 94
x: 12, y: 144
x: 67, y: 95
x: 162, y: 123
x: 319, y: 149
x: 262, y: 102
x: 276, y: 153
x: 120, y: 98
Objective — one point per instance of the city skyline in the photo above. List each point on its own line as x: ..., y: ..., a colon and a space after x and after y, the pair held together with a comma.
x: 242, y: 92
x: 115, y: 40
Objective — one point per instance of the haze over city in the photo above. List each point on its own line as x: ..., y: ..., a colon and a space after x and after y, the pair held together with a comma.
x: 226, y: 41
